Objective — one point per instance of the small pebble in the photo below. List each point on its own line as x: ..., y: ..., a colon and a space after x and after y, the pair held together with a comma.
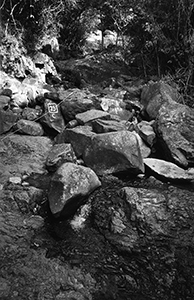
x: 25, y: 183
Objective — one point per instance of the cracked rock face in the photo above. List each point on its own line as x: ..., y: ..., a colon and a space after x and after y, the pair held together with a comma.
x: 168, y: 170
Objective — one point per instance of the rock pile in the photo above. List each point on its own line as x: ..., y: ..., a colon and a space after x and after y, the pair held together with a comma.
x: 106, y: 134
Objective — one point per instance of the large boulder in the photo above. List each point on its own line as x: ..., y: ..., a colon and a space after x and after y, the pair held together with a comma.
x: 70, y: 185
x: 75, y: 101
x: 175, y: 132
x: 174, y: 124
x: 114, y: 152
x: 105, y: 153
x: 155, y: 94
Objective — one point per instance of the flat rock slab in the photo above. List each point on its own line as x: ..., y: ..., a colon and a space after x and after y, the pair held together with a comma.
x: 69, y: 186
x: 91, y: 115
x: 168, y: 170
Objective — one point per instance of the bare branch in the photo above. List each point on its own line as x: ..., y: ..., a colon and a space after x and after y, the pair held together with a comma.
x: 2, y: 4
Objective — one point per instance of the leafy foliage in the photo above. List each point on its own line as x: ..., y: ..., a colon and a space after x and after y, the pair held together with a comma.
x: 36, y: 19
x: 156, y: 37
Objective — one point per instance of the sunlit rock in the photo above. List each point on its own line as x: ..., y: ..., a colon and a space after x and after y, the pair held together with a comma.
x: 168, y: 170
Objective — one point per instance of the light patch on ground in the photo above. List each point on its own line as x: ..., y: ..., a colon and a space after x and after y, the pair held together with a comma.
x: 79, y: 219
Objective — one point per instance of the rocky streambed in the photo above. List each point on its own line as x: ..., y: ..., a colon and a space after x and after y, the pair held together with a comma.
x: 96, y: 193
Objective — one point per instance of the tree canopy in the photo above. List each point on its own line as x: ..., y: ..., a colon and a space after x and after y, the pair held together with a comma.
x: 157, y: 35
